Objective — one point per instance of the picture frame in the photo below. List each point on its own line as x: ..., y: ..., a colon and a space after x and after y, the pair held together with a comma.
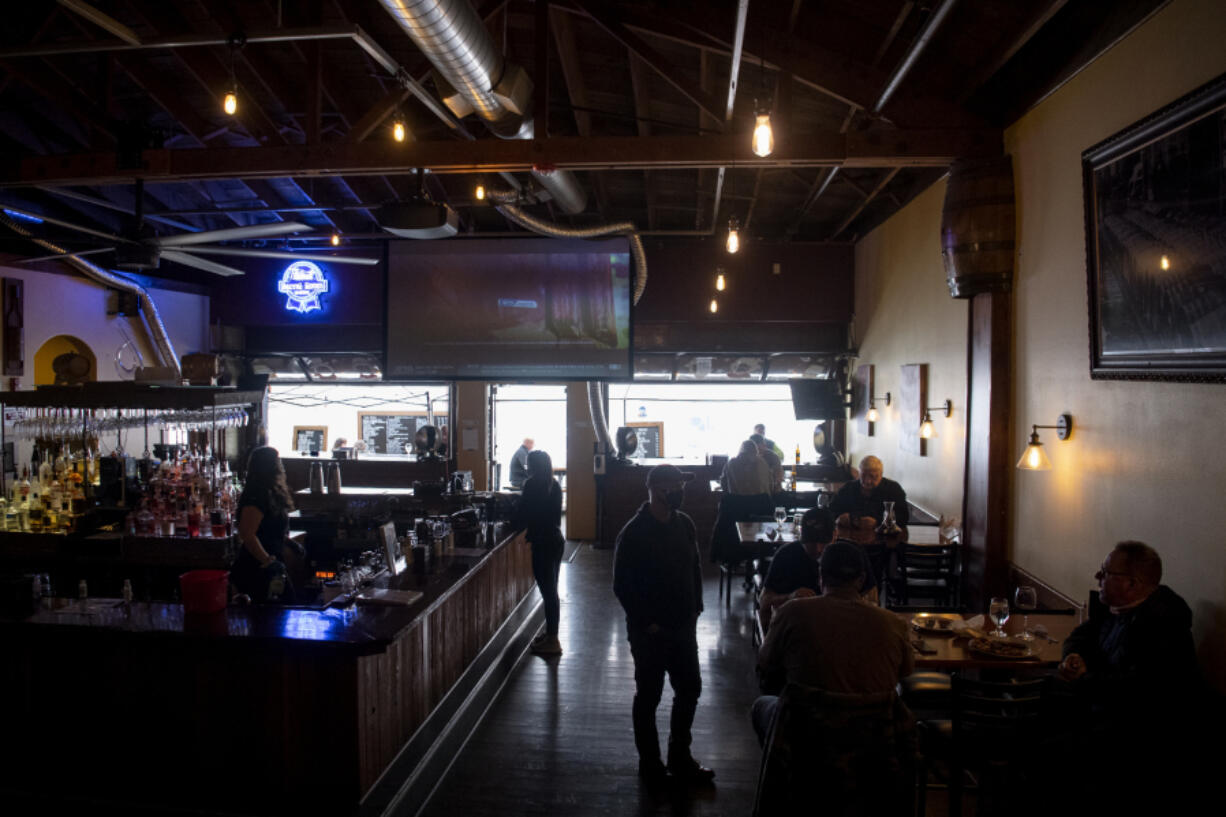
x: 392, y: 553
x: 306, y: 437
x: 1155, y: 213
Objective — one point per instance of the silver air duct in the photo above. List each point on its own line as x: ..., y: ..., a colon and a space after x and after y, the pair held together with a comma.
x: 504, y: 200
x: 153, y: 318
x: 473, y: 78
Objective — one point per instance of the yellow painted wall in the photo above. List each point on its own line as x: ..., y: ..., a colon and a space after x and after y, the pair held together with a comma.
x: 1146, y: 459
x: 904, y: 315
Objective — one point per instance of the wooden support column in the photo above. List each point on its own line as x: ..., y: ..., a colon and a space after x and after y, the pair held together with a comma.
x: 989, y: 466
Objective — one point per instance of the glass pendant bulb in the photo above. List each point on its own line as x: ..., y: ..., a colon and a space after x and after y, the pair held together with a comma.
x: 927, y: 429
x: 763, y: 136
x: 734, y: 239
x: 714, y: 306
x: 398, y: 130
x: 872, y: 416
x: 480, y: 192
x: 230, y: 103
x: 719, y: 282
x: 336, y: 239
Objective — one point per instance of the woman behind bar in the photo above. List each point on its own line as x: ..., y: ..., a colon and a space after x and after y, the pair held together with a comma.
x: 540, y: 513
x: 263, y: 522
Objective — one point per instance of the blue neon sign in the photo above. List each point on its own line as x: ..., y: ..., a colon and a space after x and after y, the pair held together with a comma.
x: 302, y: 283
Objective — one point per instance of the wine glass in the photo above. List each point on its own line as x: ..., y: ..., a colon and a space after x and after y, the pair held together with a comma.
x: 998, y: 611
x: 1026, y: 598
x: 781, y: 514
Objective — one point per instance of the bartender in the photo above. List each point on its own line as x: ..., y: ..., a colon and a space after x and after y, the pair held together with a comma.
x: 858, y: 504
x: 261, y: 571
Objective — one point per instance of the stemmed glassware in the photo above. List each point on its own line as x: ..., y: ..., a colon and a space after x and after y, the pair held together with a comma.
x: 1026, y: 599
x: 998, y: 611
x: 781, y: 514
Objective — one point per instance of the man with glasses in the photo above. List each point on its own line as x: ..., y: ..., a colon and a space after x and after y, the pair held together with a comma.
x: 1137, y: 690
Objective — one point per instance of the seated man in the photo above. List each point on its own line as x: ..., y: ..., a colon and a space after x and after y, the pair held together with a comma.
x: 773, y: 462
x: 1142, y: 650
x: 859, y: 504
x: 1134, y: 672
x: 836, y: 642
x: 793, y: 570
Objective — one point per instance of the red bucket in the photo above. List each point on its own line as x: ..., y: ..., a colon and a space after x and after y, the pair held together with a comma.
x: 204, y: 591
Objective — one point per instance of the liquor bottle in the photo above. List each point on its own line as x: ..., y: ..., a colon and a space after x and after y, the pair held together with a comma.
x: 796, y: 467
x: 34, y: 513
x: 24, y: 487
x: 193, y: 519
x: 181, y: 524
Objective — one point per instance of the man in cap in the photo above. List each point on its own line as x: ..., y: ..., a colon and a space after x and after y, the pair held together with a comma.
x: 657, y: 577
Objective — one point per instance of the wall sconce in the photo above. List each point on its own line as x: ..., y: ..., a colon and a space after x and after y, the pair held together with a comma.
x: 927, y: 430
x: 1034, y: 458
x: 872, y: 416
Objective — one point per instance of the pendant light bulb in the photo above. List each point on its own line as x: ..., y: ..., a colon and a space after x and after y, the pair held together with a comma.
x: 763, y: 135
x: 927, y: 430
x: 719, y: 282
x: 872, y: 415
x: 480, y: 192
x: 230, y: 103
x: 734, y: 238
x: 398, y: 130
x: 714, y: 306
x: 336, y: 239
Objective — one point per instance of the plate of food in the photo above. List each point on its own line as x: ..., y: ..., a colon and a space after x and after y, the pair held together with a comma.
x: 932, y: 623
x: 1002, y: 648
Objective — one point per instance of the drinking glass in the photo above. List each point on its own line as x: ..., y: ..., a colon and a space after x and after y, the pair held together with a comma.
x: 998, y: 611
x: 1026, y: 598
x: 780, y: 514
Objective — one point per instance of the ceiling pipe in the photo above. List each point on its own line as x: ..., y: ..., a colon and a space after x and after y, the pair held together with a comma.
x: 153, y: 318
x: 476, y: 79
x: 918, y: 46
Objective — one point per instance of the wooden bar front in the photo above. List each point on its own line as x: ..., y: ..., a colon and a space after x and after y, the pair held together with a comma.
x: 253, y: 710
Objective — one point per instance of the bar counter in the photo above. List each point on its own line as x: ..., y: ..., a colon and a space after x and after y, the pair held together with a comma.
x: 252, y: 710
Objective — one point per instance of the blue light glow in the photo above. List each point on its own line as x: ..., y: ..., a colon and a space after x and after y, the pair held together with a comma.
x: 22, y: 216
x: 302, y: 283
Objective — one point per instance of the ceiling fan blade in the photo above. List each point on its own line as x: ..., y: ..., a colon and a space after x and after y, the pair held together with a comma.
x: 68, y: 224
x: 200, y: 263
x: 230, y: 234
x: 65, y: 255
x: 293, y: 256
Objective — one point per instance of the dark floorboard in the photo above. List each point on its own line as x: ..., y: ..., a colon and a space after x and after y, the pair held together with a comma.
x: 558, y: 740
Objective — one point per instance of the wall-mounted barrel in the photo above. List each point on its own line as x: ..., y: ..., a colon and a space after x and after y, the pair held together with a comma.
x: 977, y: 227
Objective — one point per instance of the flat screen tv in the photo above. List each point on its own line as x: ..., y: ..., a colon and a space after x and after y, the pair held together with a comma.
x: 523, y: 309
x: 818, y: 399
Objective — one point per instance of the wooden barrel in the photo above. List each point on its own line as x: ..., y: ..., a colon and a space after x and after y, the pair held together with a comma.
x: 977, y: 227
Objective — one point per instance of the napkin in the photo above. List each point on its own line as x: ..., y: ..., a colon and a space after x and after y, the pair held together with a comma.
x: 972, y: 626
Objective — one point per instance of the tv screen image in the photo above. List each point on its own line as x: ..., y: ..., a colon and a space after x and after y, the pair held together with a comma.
x: 525, y: 309
x: 818, y: 399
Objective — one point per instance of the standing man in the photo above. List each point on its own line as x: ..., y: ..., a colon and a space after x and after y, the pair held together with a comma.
x: 772, y: 461
x: 519, y: 463
x: 657, y: 577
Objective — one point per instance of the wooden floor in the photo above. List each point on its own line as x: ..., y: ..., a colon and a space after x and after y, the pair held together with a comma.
x: 558, y: 740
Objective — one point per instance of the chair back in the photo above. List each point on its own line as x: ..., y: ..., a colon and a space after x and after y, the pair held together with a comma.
x: 997, y: 719
x: 837, y: 754
x: 928, y: 571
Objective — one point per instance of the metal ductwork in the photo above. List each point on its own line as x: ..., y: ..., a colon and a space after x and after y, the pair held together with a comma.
x: 473, y: 77
x: 153, y: 318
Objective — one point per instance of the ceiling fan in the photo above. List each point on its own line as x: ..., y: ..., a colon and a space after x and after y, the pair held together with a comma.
x: 141, y: 250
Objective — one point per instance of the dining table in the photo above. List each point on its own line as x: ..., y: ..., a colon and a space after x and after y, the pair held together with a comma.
x: 950, y: 651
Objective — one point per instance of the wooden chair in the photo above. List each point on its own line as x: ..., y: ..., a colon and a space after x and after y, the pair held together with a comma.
x: 993, y: 733
x: 929, y: 572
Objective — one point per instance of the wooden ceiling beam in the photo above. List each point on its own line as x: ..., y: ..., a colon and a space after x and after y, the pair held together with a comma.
x: 617, y: 29
x: 937, y: 148
x: 860, y: 208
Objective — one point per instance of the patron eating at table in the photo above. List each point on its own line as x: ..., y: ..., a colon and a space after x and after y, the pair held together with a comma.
x: 836, y: 642
x: 793, y: 572
x: 859, y: 504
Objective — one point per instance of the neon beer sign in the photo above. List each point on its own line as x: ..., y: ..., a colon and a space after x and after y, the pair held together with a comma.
x: 302, y: 283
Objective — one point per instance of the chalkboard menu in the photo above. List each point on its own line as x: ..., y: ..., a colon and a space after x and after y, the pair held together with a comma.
x: 310, y: 438
x: 388, y: 432
x: 651, y: 440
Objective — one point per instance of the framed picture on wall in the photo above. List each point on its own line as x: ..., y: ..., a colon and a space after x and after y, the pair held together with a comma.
x: 651, y: 440
x: 1155, y: 202
x: 310, y: 438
